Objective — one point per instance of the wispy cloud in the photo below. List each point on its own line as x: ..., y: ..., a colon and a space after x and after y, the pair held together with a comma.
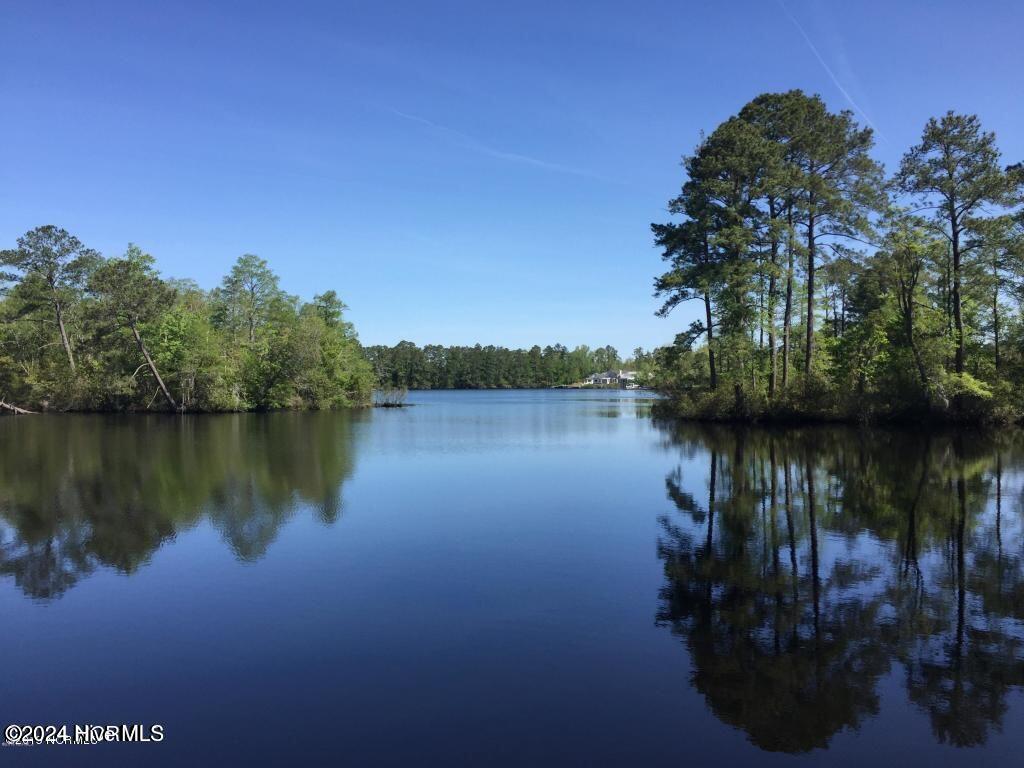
x: 828, y: 69
x: 474, y: 144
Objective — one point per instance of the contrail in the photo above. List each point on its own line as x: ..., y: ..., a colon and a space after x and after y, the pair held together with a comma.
x: 828, y: 70
x: 475, y: 144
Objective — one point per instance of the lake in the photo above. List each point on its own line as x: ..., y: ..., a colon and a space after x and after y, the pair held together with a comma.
x: 515, y: 578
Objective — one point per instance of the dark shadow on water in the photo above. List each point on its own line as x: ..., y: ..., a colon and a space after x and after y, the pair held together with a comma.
x: 79, y: 493
x: 804, y: 565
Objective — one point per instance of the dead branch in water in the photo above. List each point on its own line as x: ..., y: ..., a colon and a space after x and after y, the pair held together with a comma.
x: 391, y: 397
x: 14, y: 409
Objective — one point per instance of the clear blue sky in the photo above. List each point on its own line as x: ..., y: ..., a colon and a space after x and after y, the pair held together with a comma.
x: 459, y: 172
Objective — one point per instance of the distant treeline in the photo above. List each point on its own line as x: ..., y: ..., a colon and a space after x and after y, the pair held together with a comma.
x: 478, y: 367
x: 82, y: 332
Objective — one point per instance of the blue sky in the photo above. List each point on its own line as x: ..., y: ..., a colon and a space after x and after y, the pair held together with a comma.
x: 459, y: 172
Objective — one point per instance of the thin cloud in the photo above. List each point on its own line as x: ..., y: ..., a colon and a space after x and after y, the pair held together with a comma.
x: 828, y: 70
x: 472, y: 143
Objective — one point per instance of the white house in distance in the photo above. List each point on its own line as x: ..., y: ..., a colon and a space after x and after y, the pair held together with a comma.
x: 620, y: 378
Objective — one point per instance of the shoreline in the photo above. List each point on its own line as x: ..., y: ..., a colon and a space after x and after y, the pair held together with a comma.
x: 801, y: 420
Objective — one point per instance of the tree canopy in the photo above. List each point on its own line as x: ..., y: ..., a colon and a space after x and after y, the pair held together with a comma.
x: 896, y: 298
x: 82, y: 332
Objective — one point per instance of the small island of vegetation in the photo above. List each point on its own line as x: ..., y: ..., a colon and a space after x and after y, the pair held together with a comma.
x: 830, y: 291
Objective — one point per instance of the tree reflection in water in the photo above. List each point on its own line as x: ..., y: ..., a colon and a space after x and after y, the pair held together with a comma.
x: 82, y: 493
x: 814, y: 561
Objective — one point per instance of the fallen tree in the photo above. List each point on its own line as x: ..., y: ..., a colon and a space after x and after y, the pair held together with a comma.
x: 5, y: 406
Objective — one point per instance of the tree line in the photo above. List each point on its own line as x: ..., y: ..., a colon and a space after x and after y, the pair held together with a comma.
x: 406, y: 365
x: 832, y: 290
x: 79, y: 331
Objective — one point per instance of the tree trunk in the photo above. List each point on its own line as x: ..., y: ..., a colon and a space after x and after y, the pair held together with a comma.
x: 152, y: 368
x: 772, y: 298
x: 908, y: 324
x: 772, y: 354
x: 995, y: 309
x: 787, y: 313
x: 711, y: 339
x: 947, y: 284
x: 809, y: 353
x: 4, y: 406
x: 760, y: 313
x: 958, y: 320
x: 64, y: 334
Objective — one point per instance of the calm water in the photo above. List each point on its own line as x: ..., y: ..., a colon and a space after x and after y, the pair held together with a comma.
x: 545, y: 577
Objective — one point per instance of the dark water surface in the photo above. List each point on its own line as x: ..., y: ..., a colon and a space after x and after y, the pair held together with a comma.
x: 520, y: 578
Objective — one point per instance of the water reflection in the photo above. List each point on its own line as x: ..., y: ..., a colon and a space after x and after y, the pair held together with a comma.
x: 81, y: 493
x: 805, y: 565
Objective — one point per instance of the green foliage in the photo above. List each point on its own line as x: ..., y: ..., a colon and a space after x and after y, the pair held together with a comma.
x: 894, y: 314
x: 408, y: 366
x: 186, y: 344
x: 133, y: 340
